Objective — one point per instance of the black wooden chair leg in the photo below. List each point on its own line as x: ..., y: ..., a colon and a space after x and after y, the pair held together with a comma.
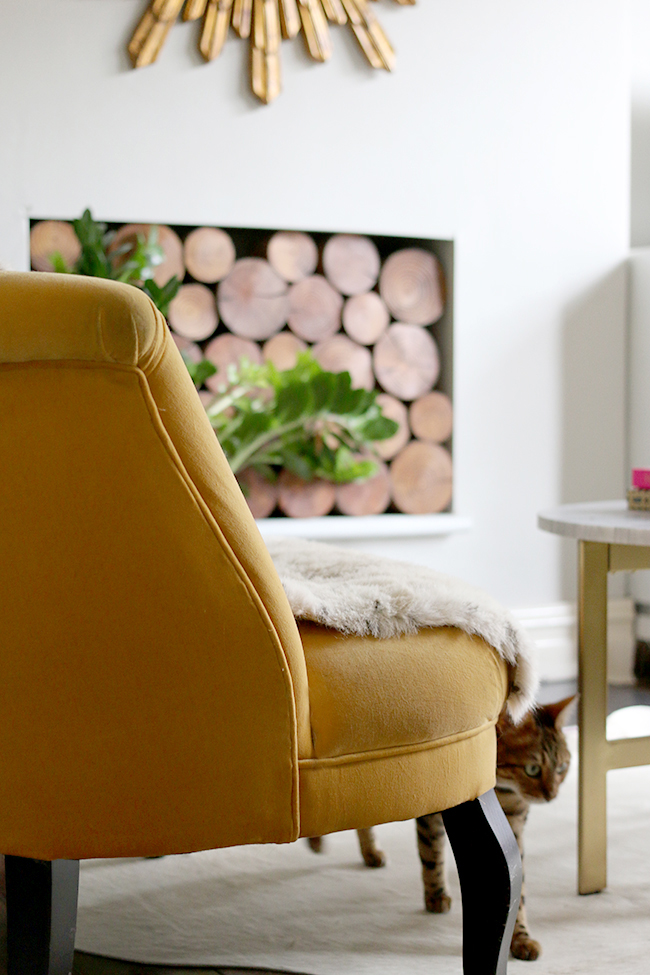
x: 489, y: 868
x: 41, y: 915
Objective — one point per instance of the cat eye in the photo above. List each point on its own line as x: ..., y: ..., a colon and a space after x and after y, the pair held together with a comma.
x: 533, y: 770
x: 561, y: 769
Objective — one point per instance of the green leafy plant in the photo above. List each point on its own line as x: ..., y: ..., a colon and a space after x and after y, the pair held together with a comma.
x: 132, y: 264
x: 305, y: 419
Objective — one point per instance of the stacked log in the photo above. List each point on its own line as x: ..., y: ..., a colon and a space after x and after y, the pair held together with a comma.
x: 359, y: 304
x: 193, y: 312
x: 209, y: 254
x: 171, y: 244
x: 50, y: 237
x: 253, y: 300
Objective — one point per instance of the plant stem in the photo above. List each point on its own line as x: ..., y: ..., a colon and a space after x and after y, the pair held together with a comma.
x: 241, y: 458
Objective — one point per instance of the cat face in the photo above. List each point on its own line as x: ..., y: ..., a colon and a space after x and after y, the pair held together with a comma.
x: 533, y: 757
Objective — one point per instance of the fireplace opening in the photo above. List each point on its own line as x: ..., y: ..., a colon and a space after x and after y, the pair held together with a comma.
x: 378, y: 307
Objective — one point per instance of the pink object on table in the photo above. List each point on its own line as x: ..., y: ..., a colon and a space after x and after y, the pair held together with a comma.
x: 641, y: 479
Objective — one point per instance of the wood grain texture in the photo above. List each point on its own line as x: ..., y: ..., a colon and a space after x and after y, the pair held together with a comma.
x: 314, y: 308
x: 421, y: 477
x: 282, y: 350
x: 209, y: 254
x: 305, y: 499
x: 351, y: 263
x: 49, y: 236
x: 253, y: 300
x: 412, y: 285
x: 227, y: 350
x: 341, y: 354
x: 406, y: 361
x: 171, y: 244
x: 365, y: 317
x: 370, y: 497
x: 293, y: 255
x: 431, y: 417
x: 193, y: 312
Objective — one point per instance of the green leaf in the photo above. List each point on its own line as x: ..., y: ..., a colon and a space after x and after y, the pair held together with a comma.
x: 291, y: 403
x: 163, y: 296
x: 380, y: 428
x: 345, y: 399
x: 59, y: 263
x: 299, y: 464
x: 322, y: 387
x: 199, y: 371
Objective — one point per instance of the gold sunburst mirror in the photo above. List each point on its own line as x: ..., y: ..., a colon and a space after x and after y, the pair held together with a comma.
x: 264, y: 23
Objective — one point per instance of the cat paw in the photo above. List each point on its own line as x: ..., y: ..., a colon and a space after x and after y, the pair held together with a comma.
x: 525, y: 948
x: 437, y: 902
x: 374, y: 858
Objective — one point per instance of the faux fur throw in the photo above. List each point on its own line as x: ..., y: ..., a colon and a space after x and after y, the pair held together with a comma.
x: 368, y: 595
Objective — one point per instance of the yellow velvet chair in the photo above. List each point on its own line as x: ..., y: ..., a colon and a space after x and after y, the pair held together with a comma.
x: 157, y: 694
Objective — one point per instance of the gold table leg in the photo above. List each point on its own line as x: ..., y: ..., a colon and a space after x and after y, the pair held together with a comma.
x: 592, y: 717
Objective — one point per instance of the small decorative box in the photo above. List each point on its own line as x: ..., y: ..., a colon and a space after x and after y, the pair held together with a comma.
x: 641, y: 479
x: 638, y: 499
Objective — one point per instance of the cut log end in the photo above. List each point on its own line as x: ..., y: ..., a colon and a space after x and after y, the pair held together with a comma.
x: 305, y: 499
x: 209, y: 254
x: 341, y: 354
x: 193, y: 312
x: 253, y: 299
x: 421, y: 478
x: 370, y: 497
x: 282, y: 350
x: 406, y: 361
x: 351, y: 262
x: 365, y: 317
x: 228, y: 350
x: 314, y: 308
x: 49, y: 237
x: 172, y: 264
x: 431, y: 417
x: 293, y: 255
x: 412, y: 285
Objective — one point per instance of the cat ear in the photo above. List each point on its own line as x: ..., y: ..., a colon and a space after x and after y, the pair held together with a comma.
x: 560, y: 711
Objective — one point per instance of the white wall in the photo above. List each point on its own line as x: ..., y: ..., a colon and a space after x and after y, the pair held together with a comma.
x: 505, y: 127
x: 640, y: 117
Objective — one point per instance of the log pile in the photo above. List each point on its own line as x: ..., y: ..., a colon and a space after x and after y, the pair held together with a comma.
x: 366, y: 305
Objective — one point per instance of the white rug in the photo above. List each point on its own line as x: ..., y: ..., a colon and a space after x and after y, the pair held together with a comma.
x: 284, y: 907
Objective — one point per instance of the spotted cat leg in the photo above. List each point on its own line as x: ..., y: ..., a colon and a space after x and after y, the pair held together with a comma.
x: 372, y: 857
x: 431, y: 847
x: 516, y: 809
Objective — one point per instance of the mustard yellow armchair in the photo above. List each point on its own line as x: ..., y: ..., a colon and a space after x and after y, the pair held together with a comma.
x: 157, y: 694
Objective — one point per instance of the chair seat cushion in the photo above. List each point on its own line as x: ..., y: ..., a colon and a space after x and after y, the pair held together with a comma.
x: 440, y: 682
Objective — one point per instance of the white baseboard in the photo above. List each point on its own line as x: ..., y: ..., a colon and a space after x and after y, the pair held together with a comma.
x: 554, y: 630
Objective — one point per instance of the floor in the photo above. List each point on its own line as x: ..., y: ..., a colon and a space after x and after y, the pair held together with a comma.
x: 619, y: 697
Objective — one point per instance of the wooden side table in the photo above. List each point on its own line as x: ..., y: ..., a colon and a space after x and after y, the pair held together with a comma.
x: 610, y: 539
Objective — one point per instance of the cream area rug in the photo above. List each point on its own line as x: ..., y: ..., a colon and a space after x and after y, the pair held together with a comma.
x: 286, y: 908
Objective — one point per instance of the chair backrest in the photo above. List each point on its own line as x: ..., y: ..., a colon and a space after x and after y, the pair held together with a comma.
x: 153, y: 685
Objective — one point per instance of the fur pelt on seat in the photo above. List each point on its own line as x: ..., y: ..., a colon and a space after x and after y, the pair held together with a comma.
x: 369, y: 595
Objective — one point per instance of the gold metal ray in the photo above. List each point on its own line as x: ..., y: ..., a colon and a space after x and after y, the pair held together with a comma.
x: 264, y: 23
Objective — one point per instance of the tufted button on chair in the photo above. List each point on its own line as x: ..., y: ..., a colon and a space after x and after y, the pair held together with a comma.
x: 157, y: 694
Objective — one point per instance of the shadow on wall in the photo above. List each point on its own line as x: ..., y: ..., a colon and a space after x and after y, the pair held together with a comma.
x: 593, y: 398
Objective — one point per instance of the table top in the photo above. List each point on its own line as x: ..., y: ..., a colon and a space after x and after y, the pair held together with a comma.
x: 598, y: 521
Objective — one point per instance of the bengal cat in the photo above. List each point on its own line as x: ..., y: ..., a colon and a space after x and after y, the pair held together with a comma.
x: 532, y: 762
